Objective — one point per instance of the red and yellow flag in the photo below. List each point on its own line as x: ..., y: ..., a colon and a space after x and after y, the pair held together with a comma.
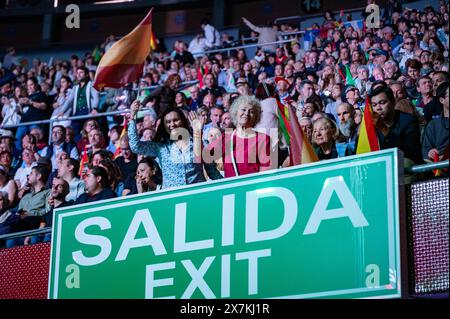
x: 124, y: 61
x: 152, y: 41
x: 124, y: 131
x: 367, y: 140
x: 301, y: 150
x: 84, y: 161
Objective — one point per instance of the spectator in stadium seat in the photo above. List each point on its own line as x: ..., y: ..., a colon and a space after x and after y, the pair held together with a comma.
x: 179, y: 164
x: 8, y: 185
x: 97, y: 187
x: 115, y: 176
x: 183, y: 55
x: 435, y: 139
x: 28, y: 161
x: 127, y: 161
x: 88, y: 126
x: 68, y: 170
x: 143, y: 180
x: 197, y: 45
x: 33, y: 205
x: 58, y: 145
x: 57, y: 199
x: 164, y: 95
x: 348, y: 129
x: 325, y: 131
x: 395, y: 128
x: 209, y: 87
x: 244, y: 150
x: 83, y: 100
x: 37, y: 103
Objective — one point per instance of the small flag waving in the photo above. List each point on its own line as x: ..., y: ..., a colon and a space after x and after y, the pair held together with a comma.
x: 301, y: 150
x: 367, y: 140
x: 124, y: 131
x: 349, y: 80
x: 124, y: 61
x: 84, y: 161
x: 152, y: 41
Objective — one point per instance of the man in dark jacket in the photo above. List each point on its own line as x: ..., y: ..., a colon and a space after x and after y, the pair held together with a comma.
x: 395, y: 128
x: 97, y: 186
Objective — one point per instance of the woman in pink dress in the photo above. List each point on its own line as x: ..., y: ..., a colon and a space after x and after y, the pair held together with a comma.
x: 244, y: 150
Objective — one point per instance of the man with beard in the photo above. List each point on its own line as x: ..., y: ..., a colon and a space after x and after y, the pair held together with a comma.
x: 346, y: 143
x: 58, y: 193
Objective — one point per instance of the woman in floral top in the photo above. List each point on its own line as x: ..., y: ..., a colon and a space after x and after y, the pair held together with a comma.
x: 178, y: 153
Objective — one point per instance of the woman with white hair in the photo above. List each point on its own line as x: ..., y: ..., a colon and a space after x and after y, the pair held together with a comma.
x: 244, y: 150
x: 325, y: 132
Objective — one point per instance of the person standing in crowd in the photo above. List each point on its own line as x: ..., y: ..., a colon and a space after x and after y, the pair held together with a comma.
x: 178, y: 154
x: 83, y: 100
x: 36, y: 106
x: 244, y: 150
x: 267, y: 34
x: 212, y: 35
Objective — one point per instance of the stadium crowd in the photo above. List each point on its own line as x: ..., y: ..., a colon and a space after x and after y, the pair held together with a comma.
x: 229, y: 123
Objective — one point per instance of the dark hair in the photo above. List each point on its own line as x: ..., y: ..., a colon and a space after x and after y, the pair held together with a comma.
x: 68, y: 79
x: 264, y: 91
x: 84, y: 69
x: 104, y: 153
x: 441, y: 89
x: 161, y: 134
x: 413, y: 63
x: 75, y: 164
x: 100, y: 171
x: 442, y: 72
x: 114, y: 173
x: 43, y: 171
x: 148, y: 161
x: 316, y: 100
x: 383, y: 89
x: 157, y: 177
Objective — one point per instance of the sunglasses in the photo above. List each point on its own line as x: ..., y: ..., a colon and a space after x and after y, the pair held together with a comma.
x: 411, y: 43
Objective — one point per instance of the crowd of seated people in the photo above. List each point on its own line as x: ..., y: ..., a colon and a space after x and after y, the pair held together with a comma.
x: 225, y: 125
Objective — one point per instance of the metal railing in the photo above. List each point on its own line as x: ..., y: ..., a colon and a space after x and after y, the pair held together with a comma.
x: 88, y: 116
x: 426, y: 167
x: 411, y: 170
x: 244, y: 46
x: 71, y: 118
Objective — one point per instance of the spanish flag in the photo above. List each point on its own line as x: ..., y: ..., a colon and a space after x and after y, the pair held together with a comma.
x: 301, y: 150
x: 124, y: 61
x: 153, y: 44
x: 84, y: 161
x: 367, y: 140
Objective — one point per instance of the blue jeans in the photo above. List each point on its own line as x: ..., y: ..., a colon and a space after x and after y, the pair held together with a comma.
x: 10, y: 243
x: 40, y: 239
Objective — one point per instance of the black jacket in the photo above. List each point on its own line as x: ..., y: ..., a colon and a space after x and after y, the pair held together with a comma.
x: 404, y: 134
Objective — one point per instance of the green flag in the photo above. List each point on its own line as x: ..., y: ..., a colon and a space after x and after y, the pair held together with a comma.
x: 349, y: 80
